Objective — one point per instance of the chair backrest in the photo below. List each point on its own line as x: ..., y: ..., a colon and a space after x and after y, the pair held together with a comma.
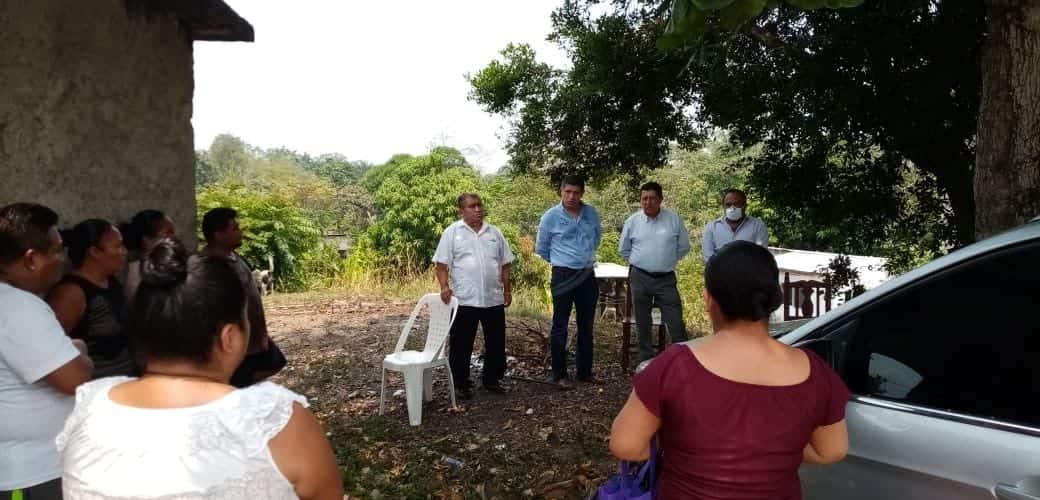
x: 804, y: 298
x: 441, y: 318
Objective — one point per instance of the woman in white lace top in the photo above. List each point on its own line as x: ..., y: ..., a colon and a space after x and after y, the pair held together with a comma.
x: 180, y: 431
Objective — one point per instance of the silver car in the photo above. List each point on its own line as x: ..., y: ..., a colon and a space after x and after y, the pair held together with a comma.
x: 944, y: 366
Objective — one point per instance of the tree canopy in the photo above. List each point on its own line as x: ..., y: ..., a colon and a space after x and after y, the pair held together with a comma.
x: 865, y: 116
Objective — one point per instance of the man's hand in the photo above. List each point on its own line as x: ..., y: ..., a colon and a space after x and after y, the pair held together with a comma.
x: 446, y: 295
x: 507, y: 297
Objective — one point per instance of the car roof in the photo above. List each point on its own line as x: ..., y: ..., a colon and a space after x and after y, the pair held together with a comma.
x: 1027, y: 232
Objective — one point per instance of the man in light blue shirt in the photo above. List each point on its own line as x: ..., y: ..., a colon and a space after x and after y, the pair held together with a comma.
x: 653, y: 241
x: 568, y: 236
x: 734, y: 225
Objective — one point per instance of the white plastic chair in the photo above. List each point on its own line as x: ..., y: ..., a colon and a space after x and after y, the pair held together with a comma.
x: 415, y: 365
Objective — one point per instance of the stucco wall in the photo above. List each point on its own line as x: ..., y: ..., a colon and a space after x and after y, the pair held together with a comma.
x: 95, y: 111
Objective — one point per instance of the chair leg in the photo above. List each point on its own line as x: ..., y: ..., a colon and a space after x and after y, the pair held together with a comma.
x: 382, y: 391
x: 451, y: 385
x: 413, y: 380
x: 626, y: 340
x: 428, y: 384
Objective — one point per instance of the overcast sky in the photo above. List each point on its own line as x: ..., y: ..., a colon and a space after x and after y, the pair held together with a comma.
x: 366, y: 79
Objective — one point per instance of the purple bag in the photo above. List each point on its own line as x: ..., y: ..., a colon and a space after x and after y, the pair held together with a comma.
x: 628, y: 483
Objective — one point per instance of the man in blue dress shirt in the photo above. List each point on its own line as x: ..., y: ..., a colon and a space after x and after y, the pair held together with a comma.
x: 653, y: 241
x: 568, y: 236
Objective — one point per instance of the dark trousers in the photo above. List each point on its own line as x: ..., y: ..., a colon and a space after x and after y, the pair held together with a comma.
x: 460, y: 347
x: 51, y: 490
x: 582, y: 298
x: 660, y: 290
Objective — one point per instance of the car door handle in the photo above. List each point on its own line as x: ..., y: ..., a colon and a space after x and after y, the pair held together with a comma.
x: 1010, y: 492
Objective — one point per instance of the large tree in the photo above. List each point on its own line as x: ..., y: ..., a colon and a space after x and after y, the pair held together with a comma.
x: 850, y: 103
x: 1007, y: 174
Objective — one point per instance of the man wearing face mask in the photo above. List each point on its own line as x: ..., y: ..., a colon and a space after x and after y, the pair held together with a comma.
x: 734, y: 225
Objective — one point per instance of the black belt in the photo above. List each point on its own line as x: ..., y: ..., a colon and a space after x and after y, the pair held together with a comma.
x: 652, y: 275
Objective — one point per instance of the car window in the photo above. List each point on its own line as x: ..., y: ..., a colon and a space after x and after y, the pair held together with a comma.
x: 967, y: 341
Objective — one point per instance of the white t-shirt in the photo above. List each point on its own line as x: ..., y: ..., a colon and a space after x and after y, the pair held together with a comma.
x: 32, y: 345
x: 474, y: 260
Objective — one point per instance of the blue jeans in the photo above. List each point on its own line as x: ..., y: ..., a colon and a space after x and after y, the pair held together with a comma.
x: 583, y: 298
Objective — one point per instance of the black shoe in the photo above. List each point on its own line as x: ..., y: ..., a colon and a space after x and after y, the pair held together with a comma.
x: 464, y: 393
x: 495, y: 387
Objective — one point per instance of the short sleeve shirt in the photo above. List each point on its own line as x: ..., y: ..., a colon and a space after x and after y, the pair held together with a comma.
x: 724, y: 439
x: 32, y: 346
x: 474, y: 260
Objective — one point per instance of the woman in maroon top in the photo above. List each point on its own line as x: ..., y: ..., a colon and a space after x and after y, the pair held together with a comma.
x: 738, y: 412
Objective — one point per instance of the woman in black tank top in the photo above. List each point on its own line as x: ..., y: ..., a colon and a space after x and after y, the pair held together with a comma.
x: 89, y: 302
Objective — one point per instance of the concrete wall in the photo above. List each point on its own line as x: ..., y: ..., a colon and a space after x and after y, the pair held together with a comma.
x: 95, y: 111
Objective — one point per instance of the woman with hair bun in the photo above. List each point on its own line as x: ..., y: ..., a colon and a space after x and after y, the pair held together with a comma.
x: 89, y: 302
x: 181, y: 430
x: 738, y: 412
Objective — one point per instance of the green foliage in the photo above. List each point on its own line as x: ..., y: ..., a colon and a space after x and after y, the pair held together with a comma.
x: 688, y: 19
x: 861, y: 120
x: 272, y: 225
x: 519, y: 199
x: 205, y: 171
x: 608, y: 248
x: 528, y: 270
x: 417, y: 200
x: 690, y: 280
x: 374, y: 176
x: 839, y: 274
x: 230, y: 157
x: 617, y: 110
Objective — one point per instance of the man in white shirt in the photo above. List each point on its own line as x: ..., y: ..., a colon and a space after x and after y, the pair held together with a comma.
x: 653, y: 241
x: 40, y: 367
x: 476, y: 256
x: 733, y: 225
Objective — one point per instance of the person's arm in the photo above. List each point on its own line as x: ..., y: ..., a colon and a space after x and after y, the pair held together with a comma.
x: 684, y: 239
x: 442, y: 257
x: 543, y: 239
x: 828, y: 444
x: 41, y: 350
x: 69, y: 304
x: 304, y: 456
x: 708, y: 243
x: 624, y: 245
x: 762, y: 238
x: 507, y: 285
x: 442, y: 280
x: 71, y: 375
x: 632, y: 430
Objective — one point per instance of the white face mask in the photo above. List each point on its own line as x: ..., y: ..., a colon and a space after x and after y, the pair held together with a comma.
x: 734, y: 213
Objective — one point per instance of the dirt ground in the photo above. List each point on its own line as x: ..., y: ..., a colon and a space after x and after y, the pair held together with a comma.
x: 534, y: 442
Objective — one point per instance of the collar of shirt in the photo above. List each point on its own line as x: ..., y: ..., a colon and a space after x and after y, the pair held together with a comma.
x: 564, y: 213
x: 647, y: 218
x: 483, y: 227
x: 725, y: 221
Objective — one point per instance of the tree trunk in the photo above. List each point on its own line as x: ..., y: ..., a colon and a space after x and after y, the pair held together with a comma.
x: 1007, y: 164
